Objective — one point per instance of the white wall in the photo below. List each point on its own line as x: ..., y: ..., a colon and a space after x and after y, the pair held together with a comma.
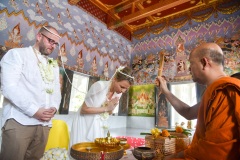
x: 117, y: 121
x: 140, y: 122
x: 114, y: 121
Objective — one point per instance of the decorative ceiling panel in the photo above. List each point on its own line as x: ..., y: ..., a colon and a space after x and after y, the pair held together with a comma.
x: 127, y: 17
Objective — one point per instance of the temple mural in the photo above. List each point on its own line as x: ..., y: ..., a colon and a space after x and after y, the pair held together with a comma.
x: 86, y: 45
x: 223, y: 29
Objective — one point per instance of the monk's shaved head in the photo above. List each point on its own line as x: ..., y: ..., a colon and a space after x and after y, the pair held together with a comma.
x: 209, y: 50
x: 210, y: 46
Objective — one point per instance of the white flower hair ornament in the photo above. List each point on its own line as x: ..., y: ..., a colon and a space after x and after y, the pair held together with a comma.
x: 120, y: 68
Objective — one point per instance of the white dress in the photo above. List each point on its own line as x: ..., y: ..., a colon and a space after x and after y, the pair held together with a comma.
x: 87, y: 127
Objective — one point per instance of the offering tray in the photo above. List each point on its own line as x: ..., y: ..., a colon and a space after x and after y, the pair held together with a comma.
x: 91, y: 151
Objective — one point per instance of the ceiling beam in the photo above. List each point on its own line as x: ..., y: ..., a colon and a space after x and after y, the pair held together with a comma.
x: 99, y: 5
x: 196, y: 8
x: 205, y: 1
x: 105, y: 9
x: 161, y: 6
x: 73, y: 2
x: 140, y: 7
x: 122, y: 6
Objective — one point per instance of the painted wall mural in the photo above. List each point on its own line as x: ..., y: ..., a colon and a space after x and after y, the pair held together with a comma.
x: 87, y: 45
x: 178, y: 43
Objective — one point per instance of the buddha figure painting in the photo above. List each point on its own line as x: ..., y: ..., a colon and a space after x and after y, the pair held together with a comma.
x: 94, y: 66
x: 62, y: 56
x: 14, y: 37
x: 80, y: 61
x: 105, y: 72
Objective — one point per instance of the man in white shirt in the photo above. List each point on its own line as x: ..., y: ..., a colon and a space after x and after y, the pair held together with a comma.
x: 31, y: 89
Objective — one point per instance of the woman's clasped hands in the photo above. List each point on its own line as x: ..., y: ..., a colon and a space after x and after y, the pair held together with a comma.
x: 111, y: 104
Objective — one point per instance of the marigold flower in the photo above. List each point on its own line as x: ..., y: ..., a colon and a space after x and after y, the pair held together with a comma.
x: 179, y: 129
x: 165, y: 133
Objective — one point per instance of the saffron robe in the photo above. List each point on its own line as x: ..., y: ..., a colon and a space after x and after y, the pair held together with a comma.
x: 217, y: 134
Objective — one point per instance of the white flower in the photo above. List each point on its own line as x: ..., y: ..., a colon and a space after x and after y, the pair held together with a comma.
x: 104, y: 116
x: 52, y: 62
x: 105, y: 126
x: 55, y: 154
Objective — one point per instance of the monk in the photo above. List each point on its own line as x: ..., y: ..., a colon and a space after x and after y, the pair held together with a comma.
x: 217, y: 134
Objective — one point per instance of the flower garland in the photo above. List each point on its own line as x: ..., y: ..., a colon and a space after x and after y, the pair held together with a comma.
x: 105, y: 115
x: 56, y: 154
x: 46, y: 71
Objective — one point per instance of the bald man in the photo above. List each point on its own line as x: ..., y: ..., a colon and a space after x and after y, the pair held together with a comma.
x: 217, y: 134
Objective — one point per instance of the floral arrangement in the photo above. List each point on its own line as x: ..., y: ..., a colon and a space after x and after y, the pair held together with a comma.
x: 155, y: 132
x: 56, y: 154
x: 180, y: 129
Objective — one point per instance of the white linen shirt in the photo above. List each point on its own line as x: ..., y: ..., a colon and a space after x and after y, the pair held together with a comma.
x: 23, y: 87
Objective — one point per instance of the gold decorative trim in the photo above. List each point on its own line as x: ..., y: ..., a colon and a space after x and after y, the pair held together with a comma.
x: 228, y: 10
x: 158, y: 30
x: 203, y: 17
x: 198, y: 18
x: 179, y: 24
x: 139, y: 36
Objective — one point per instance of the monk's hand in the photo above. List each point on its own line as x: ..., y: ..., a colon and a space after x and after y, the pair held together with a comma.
x: 162, y: 84
x: 112, y: 104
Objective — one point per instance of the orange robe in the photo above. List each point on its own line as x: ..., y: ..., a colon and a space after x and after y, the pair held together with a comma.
x: 217, y: 135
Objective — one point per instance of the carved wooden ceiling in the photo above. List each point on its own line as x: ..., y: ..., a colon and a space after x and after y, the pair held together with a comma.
x: 130, y: 16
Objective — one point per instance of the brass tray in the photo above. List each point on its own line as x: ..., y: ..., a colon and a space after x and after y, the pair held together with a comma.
x: 90, y: 151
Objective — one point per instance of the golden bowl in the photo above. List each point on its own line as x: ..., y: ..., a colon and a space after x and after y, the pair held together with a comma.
x: 91, y: 151
x: 107, y: 143
x: 123, y: 141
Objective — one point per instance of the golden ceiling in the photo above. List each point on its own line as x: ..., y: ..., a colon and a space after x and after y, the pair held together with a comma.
x: 129, y: 16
